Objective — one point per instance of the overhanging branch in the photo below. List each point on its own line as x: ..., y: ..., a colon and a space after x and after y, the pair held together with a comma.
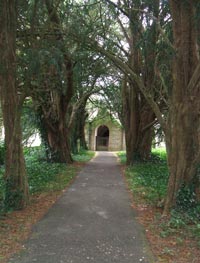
x: 124, y: 67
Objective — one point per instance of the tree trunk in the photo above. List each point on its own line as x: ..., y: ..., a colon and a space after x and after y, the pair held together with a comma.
x: 58, y: 144
x: 137, y: 120
x: 131, y: 121
x: 183, y: 121
x: 16, y: 185
x: 78, y: 130
x: 136, y: 117
x: 53, y: 129
x: 83, y: 117
x: 146, y: 132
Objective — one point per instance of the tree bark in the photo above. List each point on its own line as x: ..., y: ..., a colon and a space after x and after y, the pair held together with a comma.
x: 183, y: 123
x: 16, y: 185
x: 137, y: 117
x: 83, y: 115
x: 59, y: 150
x: 53, y: 128
x: 77, y: 129
x: 131, y: 121
x: 146, y: 131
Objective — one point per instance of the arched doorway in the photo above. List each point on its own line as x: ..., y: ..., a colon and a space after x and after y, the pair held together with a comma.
x: 102, y: 138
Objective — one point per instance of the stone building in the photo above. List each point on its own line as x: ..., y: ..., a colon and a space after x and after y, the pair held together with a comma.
x: 105, y: 134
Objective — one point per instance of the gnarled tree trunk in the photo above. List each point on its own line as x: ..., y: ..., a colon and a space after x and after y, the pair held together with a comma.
x: 53, y: 128
x: 16, y: 185
x: 57, y: 135
x: 184, y: 122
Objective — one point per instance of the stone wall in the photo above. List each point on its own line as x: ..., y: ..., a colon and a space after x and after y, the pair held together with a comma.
x: 116, y: 136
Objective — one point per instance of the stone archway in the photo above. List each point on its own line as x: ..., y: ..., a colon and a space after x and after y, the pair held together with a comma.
x: 102, y: 138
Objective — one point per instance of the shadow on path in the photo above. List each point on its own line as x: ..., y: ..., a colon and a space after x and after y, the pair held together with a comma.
x: 91, y: 222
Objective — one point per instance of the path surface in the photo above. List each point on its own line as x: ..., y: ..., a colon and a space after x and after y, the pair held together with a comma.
x: 91, y: 222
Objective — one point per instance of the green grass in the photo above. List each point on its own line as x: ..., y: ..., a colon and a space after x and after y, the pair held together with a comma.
x: 83, y: 156
x: 122, y: 156
x: 159, y: 155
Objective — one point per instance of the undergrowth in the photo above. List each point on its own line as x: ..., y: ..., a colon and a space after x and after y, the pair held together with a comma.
x: 44, y: 176
x: 148, y: 182
x: 148, y: 178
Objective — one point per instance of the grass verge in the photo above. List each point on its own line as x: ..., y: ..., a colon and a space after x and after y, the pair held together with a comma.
x: 175, y: 239
x: 83, y: 156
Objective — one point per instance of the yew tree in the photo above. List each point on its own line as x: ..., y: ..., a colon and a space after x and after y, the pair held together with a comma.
x: 60, y: 74
x: 138, y: 115
x: 16, y: 186
x: 183, y: 123
x: 47, y: 70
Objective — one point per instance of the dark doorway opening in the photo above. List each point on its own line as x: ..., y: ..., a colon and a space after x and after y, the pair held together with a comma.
x: 102, y: 138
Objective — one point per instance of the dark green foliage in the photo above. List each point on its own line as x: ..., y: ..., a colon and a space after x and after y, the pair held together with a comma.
x: 186, y: 198
x: 187, y: 201
x: 149, y: 178
x: 41, y: 174
x: 13, y: 200
x: 183, y: 224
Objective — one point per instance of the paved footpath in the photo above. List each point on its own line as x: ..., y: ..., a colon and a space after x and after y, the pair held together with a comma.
x: 92, y: 222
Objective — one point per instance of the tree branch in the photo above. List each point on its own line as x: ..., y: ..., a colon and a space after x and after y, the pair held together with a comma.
x: 148, y: 126
x: 119, y: 8
x: 148, y: 14
x: 77, y: 105
x: 124, y: 67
